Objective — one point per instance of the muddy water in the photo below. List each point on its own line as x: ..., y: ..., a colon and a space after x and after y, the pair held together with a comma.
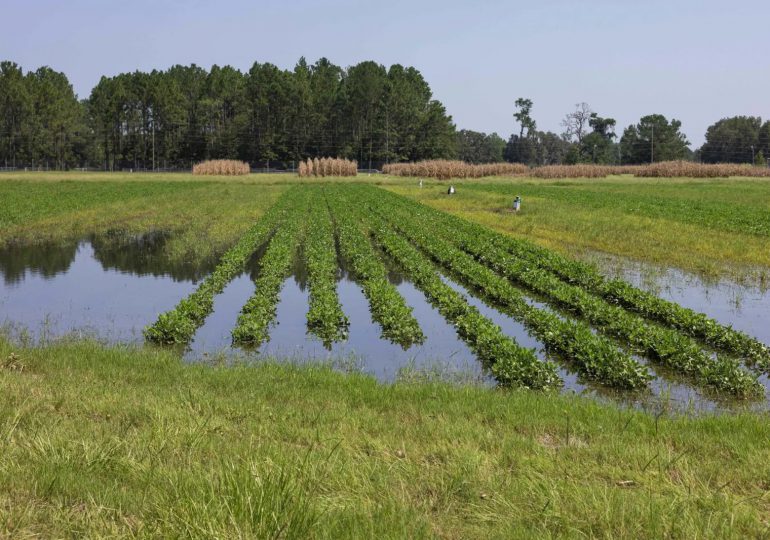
x: 95, y: 288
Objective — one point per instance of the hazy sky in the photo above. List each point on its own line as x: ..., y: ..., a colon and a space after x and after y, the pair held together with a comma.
x: 695, y: 60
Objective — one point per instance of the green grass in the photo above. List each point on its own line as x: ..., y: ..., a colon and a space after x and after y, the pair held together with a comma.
x: 204, y: 214
x: 102, y: 441
x: 714, y: 227
x: 257, y: 178
x: 732, y: 207
x: 121, y: 442
x: 203, y: 218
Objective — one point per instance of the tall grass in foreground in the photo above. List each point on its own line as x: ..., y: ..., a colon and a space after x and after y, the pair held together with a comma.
x: 444, y: 169
x: 327, y: 167
x: 221, y: 167
x: 133, y: 443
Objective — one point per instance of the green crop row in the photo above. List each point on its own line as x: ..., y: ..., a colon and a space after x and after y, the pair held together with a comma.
x: 274, y: 267
x: 324, y: 317
x: 687, y: 321
x: 596, y: 358
x: 511, y: 364
x: 664, y: 345
x: 387, y: 306
x: 179, y: 324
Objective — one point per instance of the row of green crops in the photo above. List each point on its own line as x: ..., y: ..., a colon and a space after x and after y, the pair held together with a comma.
x: 664, y: 345
x: 511, y: 364
x: 274, y: 267
x: 387, y: 306
x: 179, y: 324
x: 325, y: 317
x: 368, y: 225
x: 595, y: 357
x: 687, y: 321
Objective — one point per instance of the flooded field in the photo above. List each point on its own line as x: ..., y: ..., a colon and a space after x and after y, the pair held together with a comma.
x: 112, y: 291
x: 745, y: 307
x: 52, y: 291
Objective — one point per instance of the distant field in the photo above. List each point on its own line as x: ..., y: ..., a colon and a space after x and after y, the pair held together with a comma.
x: 255, y: 178
x: 712, y: 227
x: 202, y: 218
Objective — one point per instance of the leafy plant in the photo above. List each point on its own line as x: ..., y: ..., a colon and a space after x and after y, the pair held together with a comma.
x: 511, y: 364
x: 595, y: 357
x: 664, y: 345
x: 325, y: 317
x: 274, y: 267
x: 387, y: 306
x: 179, y: 324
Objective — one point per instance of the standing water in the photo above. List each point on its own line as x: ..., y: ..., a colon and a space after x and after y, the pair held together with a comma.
x: 94, y: 289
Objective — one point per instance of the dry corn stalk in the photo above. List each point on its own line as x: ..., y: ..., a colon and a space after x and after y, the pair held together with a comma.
x: 327, y: 167
x: 444, y: 169
x: 221, y: 167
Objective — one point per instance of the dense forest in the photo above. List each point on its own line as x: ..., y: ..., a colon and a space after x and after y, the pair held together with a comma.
x: 267, y: 116
x: 271, y: 117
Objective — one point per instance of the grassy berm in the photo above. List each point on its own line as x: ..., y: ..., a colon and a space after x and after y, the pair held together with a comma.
x: 119, y: 442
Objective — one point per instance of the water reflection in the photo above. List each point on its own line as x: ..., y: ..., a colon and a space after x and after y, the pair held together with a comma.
x: 46, y: 261
x: 290, y: 339
x: 113, y: 304
x: 115, y: 285
x: 146, y: 255
x: 143, y: 255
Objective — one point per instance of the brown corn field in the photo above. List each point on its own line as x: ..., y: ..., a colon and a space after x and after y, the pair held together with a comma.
x: 221, y: 167
x: 327, y: 167
x: 664, y: 169
x: 445, y: 169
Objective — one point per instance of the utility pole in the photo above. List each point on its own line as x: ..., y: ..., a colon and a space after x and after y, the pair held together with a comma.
x: 387, y: 137
x: 153, y: 144
x: 752, y: 154
x: 652, y: 145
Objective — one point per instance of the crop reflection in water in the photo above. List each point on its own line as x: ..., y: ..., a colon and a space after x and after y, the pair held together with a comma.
x: 113, y: 286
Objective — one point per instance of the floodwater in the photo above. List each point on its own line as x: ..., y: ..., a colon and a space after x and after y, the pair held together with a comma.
x: 744, y: 307
x: 112, y: 288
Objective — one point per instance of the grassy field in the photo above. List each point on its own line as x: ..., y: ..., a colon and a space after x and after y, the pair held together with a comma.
x: 102, y: 441
x: 713, y: 227
x: 716, y: 228
x: 119, y: 442
x: 202, y: 218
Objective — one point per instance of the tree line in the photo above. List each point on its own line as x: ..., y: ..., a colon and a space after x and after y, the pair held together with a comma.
x: 271, y: 117
x: 185, y: 114
x: 590, y: 138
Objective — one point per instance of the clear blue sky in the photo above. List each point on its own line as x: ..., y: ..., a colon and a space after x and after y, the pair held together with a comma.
x: 696, y: 60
